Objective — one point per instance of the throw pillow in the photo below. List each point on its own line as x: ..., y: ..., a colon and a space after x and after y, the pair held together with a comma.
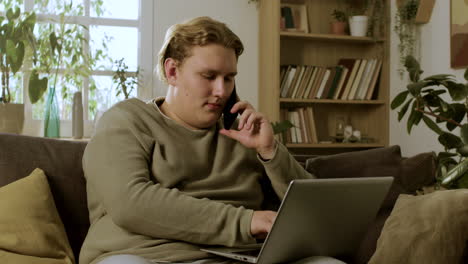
x: 430, y: 228
x: 30, y: 227
x: 365, y: 163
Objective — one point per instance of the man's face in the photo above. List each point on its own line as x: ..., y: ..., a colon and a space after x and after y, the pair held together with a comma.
x: 202, y: 84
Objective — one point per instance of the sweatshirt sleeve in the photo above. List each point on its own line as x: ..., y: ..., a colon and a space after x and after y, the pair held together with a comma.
x: 282, y: 169
x: 117, y: 164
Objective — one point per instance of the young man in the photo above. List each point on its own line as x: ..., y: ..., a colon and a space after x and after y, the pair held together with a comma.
x: 165, y: 178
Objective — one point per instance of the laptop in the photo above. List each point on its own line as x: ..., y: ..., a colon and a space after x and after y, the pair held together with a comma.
x: 317, y: 217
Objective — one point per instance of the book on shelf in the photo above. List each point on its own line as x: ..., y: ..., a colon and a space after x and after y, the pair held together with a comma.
x: 297, y: 84
x: 357, y: 79
x: 341, y: 83
x: 364, y: 82
x: 373, y: 82
x: 304, y: 130
x: 336, y: 78
x: 349, y: 83
x: 323, y: 82
x: 289, y: 76
x: 350, y: 79
x: 294, y: 18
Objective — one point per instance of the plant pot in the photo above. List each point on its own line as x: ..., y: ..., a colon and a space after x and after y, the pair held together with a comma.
x: 11, y: 118
x: 338, y: 28
x: 358, y: 26
x: 424, y: 10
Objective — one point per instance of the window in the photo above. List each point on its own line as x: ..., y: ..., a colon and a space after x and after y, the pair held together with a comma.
x: 106, y: 30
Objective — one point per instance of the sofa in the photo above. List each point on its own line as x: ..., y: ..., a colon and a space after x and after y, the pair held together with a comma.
x: 60, y: 161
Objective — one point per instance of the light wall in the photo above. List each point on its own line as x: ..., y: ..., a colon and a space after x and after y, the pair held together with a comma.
x: 435, y: 59
x: 239, y: 15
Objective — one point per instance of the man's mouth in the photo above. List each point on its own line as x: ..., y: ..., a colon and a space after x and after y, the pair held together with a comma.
x: 214, y: 106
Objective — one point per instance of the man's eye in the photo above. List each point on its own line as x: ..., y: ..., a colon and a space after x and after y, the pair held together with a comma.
x: 228, y: 79
x: 209, y: 76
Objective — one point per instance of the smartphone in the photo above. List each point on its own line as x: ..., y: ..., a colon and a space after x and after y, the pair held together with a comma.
x: 229, y: 117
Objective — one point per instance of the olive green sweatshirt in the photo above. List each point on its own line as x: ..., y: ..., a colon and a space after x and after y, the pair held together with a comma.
x: 160, y: 190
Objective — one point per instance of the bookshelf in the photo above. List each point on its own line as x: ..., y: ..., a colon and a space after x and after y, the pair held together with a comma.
x: 319, y: 48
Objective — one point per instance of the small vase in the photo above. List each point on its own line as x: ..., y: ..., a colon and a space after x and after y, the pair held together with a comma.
x: 51, y: 116
x: 338, y: 28
x: 77, y: 116
x: 358, y: 26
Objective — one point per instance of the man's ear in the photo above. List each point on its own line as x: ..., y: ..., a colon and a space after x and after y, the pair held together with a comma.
x: 170, y: 68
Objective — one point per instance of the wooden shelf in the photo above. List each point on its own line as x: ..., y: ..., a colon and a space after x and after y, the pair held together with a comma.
x: 320, y: 49
x: 335, y: 145
x: 329, y: 37
x: 329, y: 101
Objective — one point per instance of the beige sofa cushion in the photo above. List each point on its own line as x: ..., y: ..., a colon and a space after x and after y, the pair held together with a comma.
x: 30, y: 227
x: 431, y: 228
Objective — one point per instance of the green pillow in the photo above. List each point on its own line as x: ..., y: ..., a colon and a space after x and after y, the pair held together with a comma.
x: 30, y: 226
x: 430, y: 228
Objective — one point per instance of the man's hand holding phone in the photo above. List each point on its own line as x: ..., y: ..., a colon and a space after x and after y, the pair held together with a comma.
x: 253, y: 130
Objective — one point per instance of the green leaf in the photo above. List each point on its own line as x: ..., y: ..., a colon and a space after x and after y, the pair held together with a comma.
x: 416, y: 87
x: 280, y: 127
x: 12, y: 16
x: 458, y: 91
x: 53, y: 41
x: 455, y: 172
x: 463, y: 181
x: 413, y: 68
x: 414, y: 118
x: 466, y: 74
x: 463, y: 150
x: 456, y: 113
x: 403, y: 110
x: 432, y: 125
x: 399, y: 99
x: 450, y: 141
x: 440, y: 77
x: 37, y: 87
x: 464, y: 133
x: 16, y: 65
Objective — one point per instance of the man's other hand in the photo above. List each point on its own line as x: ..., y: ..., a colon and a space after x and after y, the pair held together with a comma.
x: 261, y: 224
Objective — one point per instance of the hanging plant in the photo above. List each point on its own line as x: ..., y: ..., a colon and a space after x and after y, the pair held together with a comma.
x: 407, y: 32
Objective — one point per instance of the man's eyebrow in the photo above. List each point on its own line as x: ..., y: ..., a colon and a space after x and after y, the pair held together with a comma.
x: 218, y: 72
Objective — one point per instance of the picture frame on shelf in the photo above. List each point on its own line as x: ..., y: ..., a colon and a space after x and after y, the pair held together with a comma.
x: 458, y: 34
x: 294, y: 18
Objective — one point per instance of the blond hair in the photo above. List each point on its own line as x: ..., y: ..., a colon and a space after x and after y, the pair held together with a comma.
x: 200, y: 31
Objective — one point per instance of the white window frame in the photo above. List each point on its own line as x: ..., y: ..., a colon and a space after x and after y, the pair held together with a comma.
x: 144, y: 60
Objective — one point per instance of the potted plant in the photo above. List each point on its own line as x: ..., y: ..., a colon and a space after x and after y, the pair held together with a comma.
x: 126, y: 81
x: 406, y: 29
x: 61, y: 62
x: 359, y: 18
x: 424, y: 101
x: 16, y: 36
x: 338, y: 25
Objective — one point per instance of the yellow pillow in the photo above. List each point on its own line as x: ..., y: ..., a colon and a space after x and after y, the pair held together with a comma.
x: 30, y: 227
x: 431, y: 228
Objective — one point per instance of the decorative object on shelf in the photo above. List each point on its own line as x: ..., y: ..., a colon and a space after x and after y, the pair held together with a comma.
x: 339, y: 128
x: 408, y: 18
x: 348, y: 132
x: 458, y: 34
x: 77, y: 116
x: 294, y: 18
x: 423, y: 100
x: 16, y: 37
x: 126, y: 81
x: 358, y: 26
x: 51, y: 115
x: 339, y: 24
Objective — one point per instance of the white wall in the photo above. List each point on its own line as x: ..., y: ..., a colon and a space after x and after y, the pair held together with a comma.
x: 435, y: 59
x: 239, y: 15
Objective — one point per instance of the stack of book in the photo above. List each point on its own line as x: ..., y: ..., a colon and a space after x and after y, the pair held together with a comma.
x: 350, y: 79
x: 304, y: 130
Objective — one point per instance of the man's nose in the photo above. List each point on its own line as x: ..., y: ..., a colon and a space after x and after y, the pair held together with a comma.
x: 221, y: 88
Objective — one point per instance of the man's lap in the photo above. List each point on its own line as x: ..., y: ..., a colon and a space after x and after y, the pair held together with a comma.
x: 131, y: 259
